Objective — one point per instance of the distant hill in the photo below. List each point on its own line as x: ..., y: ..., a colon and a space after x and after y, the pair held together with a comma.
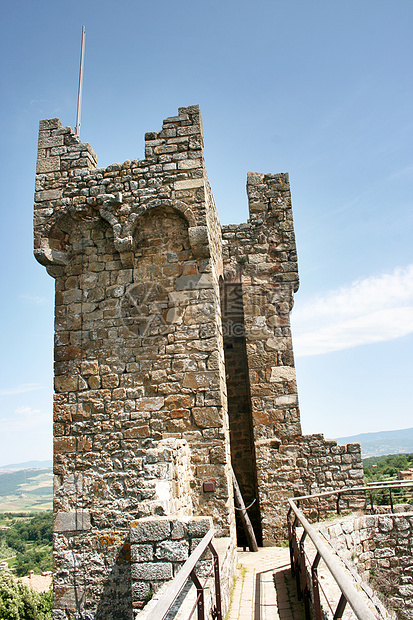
x: 26, y: 490
x: 26, y: 465
x: 383, y: 442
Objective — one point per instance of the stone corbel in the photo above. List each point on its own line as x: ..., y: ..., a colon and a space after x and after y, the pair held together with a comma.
x: 46, y: 256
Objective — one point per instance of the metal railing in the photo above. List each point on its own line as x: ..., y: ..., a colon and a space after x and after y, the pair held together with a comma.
x: 396, y: 485
x: 298, y: 557
x: 187, y: 571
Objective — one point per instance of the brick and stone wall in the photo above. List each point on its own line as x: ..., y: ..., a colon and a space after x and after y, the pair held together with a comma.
x: 92, y: 554
x: 173, y: 354
x: 380, y: 548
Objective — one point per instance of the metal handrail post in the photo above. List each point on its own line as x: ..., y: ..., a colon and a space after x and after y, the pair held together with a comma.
x: 218, y: 604
x: 302, y: 562
x: 344, y: 583
x: 296, y: 552
x: 340, y: 608
x: 316, y: 589
x: 304, y: 580
x: 200, y: 595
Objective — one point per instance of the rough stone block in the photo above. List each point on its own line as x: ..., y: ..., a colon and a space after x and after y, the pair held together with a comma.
x: 194, y: 281
x: 141, y: 553
x: 50, y: 123
x: 198, y: 527
x: 150, y: 530
x: 72, y: 521
x: 140, y: 590
x: 151, y: 571
x: 47, y: 164
x: 177, y: 530
x: 207, y: 417
x: 172, y: 550
x: 48, y: 194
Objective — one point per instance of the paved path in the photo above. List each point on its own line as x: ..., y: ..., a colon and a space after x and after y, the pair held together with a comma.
x: 264, y: 589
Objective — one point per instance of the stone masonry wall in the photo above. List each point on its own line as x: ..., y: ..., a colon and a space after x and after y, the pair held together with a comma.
x: 380, y: 548
x: 138, y: 336
x: 91, y: 556
x: 159, y: 547
x: 261, y: 256
x: 149, y: 340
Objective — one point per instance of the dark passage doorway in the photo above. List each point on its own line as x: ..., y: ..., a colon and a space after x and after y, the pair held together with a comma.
x: 239, y: 405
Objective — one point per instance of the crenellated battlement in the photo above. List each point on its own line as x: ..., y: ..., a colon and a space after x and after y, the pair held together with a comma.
x: 173, y: 357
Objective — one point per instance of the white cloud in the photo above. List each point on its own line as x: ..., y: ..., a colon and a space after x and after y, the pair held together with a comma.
x: 373, y: 309
x: 38, y: 300
x: 23, y: 410
x: 20, y: 389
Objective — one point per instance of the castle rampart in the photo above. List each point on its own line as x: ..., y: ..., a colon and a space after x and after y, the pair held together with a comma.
x: 173, y: 354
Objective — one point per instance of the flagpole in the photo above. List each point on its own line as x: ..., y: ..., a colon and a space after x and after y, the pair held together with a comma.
x: 79, y: 96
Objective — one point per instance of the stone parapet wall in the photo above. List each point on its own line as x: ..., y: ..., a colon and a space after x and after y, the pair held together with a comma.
x: 326, y: 466
x: 159, y: 548
x: 92, y: 555
x: 308, y: 466
x: 380, y: 548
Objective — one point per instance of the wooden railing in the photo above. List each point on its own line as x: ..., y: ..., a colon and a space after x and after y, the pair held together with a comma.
x: 308, y: 589
x: 187, y: 571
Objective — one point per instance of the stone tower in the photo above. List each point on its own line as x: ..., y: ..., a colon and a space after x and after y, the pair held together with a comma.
x: 173, y: 355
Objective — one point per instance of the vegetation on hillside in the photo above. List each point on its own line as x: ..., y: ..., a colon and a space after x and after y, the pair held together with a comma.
x: 27, y: 542
x: 19, y: 602
x: 383, y: 468
x: 378, y: 468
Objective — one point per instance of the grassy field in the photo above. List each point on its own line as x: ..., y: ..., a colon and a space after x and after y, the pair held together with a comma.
x: 26, y: 490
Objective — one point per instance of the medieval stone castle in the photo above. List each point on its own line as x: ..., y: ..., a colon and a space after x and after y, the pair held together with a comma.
x: 173, y: 363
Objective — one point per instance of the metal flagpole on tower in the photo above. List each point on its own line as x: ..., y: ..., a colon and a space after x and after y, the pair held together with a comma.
x: 79, y: 96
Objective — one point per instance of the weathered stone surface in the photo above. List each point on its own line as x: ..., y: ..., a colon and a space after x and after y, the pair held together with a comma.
x: 172, y: 550
x: 384, y: 558
x: 207, y: 417
x: 172, y: 335
x: 152, y: 571
x: 71, y: 521
x: 197, y: 528
x: 149, y: 531
x: 141, y: 553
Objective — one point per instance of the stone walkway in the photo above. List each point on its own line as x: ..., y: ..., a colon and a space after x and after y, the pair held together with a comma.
x: 264, y: 589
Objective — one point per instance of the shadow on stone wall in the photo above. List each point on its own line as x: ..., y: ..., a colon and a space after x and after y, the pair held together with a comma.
x: 116, y: 600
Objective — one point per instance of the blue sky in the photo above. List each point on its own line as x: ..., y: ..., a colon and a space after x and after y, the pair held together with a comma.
x: 320, y: 89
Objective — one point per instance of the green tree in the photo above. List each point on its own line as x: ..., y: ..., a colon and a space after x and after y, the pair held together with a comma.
x: 18, y: 602
x: 33, y: 559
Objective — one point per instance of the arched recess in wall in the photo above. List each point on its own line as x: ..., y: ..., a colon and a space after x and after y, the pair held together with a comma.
x: 84, y: 272
x: 162, y: 254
